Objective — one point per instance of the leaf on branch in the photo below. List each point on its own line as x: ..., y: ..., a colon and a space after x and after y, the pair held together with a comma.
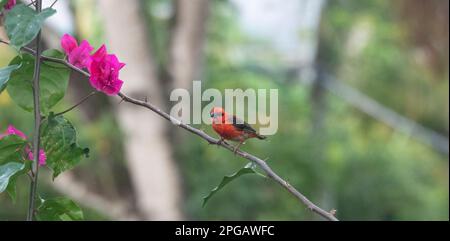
x: 59, y: 209
x: 23, y: 24
x: 11, y: 151
x: 248, y: 169
x: 59, y: 140
x: 4, y: 75
x: 54, y: 79
x: 7, y: 171
x: 11, y: 189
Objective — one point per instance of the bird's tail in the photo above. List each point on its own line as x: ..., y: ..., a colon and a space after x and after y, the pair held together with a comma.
x: 261, y: 137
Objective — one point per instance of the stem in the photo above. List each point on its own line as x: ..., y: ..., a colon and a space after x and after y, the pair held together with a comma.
x: 24, y: 48
x: 37, y: 122
x: 64, y: 62
x: 32, y: 3
x: 77, y: 104
x: 53, y: 3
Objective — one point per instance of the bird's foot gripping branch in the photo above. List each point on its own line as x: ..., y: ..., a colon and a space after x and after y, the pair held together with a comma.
x: 37, y: 80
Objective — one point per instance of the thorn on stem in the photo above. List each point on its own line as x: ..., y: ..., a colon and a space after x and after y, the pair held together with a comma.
x: 121, y: 100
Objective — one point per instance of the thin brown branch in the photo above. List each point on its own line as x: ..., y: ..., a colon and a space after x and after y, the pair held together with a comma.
x: 77, y: 104
x: 62, y: 61
x: 211, y: 140
x: 53, y: 4
x: 32, y: 3
x: 26, y: 49
x: 37, y: 122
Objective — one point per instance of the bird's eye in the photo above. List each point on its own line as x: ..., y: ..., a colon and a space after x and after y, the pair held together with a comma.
x: 211, y: 114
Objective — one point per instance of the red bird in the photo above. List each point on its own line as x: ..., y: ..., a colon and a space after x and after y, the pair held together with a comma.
x: 229, y: 127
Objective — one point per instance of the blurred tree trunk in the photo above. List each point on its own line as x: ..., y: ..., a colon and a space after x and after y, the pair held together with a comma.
x: 187, y: 39
x: 427, y: 22
x: 318, y: 104
x: 147, y: 148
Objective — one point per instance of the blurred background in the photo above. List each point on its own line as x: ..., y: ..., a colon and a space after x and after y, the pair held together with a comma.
x: 363, y: 109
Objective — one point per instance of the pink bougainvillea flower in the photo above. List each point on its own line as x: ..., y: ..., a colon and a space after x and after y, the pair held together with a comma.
x: 42, y: 156
x: 79, y: 56
x: 10, y: 4
x: 100, y: 53
x: 11, y: 130
x: 68, y: 43
x: 104, y: 69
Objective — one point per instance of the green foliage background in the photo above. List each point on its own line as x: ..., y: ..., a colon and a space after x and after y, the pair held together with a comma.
x: 358, y: 166
x: 365, y: 170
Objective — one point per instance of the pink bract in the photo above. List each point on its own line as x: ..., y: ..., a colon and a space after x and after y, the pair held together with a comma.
x: 104, y: 69
x: 42, y: 156
x: 11, y: 130
x: 79, y: 56
x: 10, y: 4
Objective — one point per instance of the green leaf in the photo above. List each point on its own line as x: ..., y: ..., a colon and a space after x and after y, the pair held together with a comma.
x: 7, y: 171
x: 248, y: 169
x: 11, y: 189
x: 59, y: 140
x: 11, y: 148
x: 59, y: 209
x: 4, y: 75
x: 23, y: 24
x: 2, y: 3
x: 11, y: 151
x: 54, y: 79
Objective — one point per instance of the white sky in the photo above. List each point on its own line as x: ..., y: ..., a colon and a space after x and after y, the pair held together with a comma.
x: 286, y: 24
x: 62, y: 21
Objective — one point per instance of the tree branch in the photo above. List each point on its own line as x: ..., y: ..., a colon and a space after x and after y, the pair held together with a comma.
x: 53, y: 4
x: 77, y: 104
x: 37, y: 122
x: 211, y: 140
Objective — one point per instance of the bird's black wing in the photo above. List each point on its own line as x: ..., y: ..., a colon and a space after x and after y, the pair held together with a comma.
x: 242, y: 125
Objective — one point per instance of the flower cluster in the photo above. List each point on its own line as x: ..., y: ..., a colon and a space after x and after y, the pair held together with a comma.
x: 103, y: 67
x: 11, y: 130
